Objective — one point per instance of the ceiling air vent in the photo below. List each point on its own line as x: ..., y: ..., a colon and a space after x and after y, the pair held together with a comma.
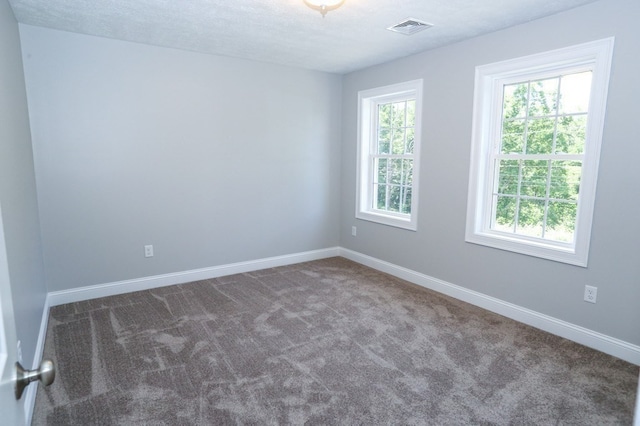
x: 410, y: 26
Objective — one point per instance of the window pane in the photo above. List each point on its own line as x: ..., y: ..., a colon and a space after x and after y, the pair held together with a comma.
x: 513, y: 137
x: 571, y: 134
x: 575, y: 92
x: 543, y: 97
x: 384, y: 141
x: 508, y: 177
x: 565, y: 180
x: 407, y: 172
x: 411, y: 113
x: 540, y: 136
x: 411, y: 136
x: 381, y: 170
x: 534, y: 178
x: 395, y: 171
x: 393, y: 178
x: 561, y: 221
x: 381, y: 200
x: 384, y: 115
x: 394, y: 198
x: 398, y: 142
x: 530, y: 218
x: 398, y: 117
x: 515, y: 98
x: 406, y: 200
x: 505, y: 214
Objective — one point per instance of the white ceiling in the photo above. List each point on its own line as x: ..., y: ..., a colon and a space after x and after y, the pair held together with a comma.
x: 287, y: 32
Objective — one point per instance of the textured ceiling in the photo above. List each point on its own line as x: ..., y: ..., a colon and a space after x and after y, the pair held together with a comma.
x: 287, y: 31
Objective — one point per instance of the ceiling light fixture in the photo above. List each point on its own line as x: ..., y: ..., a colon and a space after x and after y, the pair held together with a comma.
x: 324, y: 6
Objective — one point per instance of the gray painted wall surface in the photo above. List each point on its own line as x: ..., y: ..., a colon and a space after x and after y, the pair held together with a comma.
x: 217, y: 160
x: 18, y: 191
x: 212, y: 160
x: 438, y: 248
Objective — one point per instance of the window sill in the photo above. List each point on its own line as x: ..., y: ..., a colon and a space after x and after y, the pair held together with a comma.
x: 557, y: 253
x: 404, y: 222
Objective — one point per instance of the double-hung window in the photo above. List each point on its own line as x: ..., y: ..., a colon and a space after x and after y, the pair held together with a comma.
x: 538, y: 125
x: 388, y: 153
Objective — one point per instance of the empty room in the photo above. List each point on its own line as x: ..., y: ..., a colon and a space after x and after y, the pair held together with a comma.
x: 416, y: 212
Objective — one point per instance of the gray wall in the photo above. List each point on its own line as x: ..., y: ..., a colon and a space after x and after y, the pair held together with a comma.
x: 218, y: 160
x: 18, y: 191
x: 438, y: 248
x: 212, y: 160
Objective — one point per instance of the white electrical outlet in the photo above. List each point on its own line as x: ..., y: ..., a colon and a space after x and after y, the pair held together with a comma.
x: 590, y: 294
x: 354, y: 231
x: 148, y: 251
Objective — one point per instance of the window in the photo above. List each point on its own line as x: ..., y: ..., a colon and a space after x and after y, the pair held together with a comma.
x: 388, y: 154
x: 537, y: 133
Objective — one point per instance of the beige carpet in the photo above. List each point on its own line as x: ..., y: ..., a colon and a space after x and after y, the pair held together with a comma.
x: 323, y: 342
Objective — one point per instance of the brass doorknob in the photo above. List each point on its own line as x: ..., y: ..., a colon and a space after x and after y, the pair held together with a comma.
x: 46, y: 374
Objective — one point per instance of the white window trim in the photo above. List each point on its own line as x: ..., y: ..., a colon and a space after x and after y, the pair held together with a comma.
x: 596, y: 56
x: 367, y: 99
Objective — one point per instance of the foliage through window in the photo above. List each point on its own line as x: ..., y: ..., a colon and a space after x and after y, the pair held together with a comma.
x: 388, y: 151
x: 393, y: 156
x: 538, y: 125
x: 539, y: 164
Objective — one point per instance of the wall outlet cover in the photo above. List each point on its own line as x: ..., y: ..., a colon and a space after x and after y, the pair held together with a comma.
x: 590, y: 293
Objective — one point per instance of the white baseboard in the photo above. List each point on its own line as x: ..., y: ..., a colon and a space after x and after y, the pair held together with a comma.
x: 56, y: 298
x: 601, y: 342
x: 593, y: 339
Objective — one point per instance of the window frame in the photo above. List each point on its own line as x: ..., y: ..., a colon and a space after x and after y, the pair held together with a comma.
x: 487, y: 123
x: 368, y: 100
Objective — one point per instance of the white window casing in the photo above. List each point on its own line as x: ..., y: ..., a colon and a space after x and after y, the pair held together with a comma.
x: 368, y: 153
x: 490, y: 83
